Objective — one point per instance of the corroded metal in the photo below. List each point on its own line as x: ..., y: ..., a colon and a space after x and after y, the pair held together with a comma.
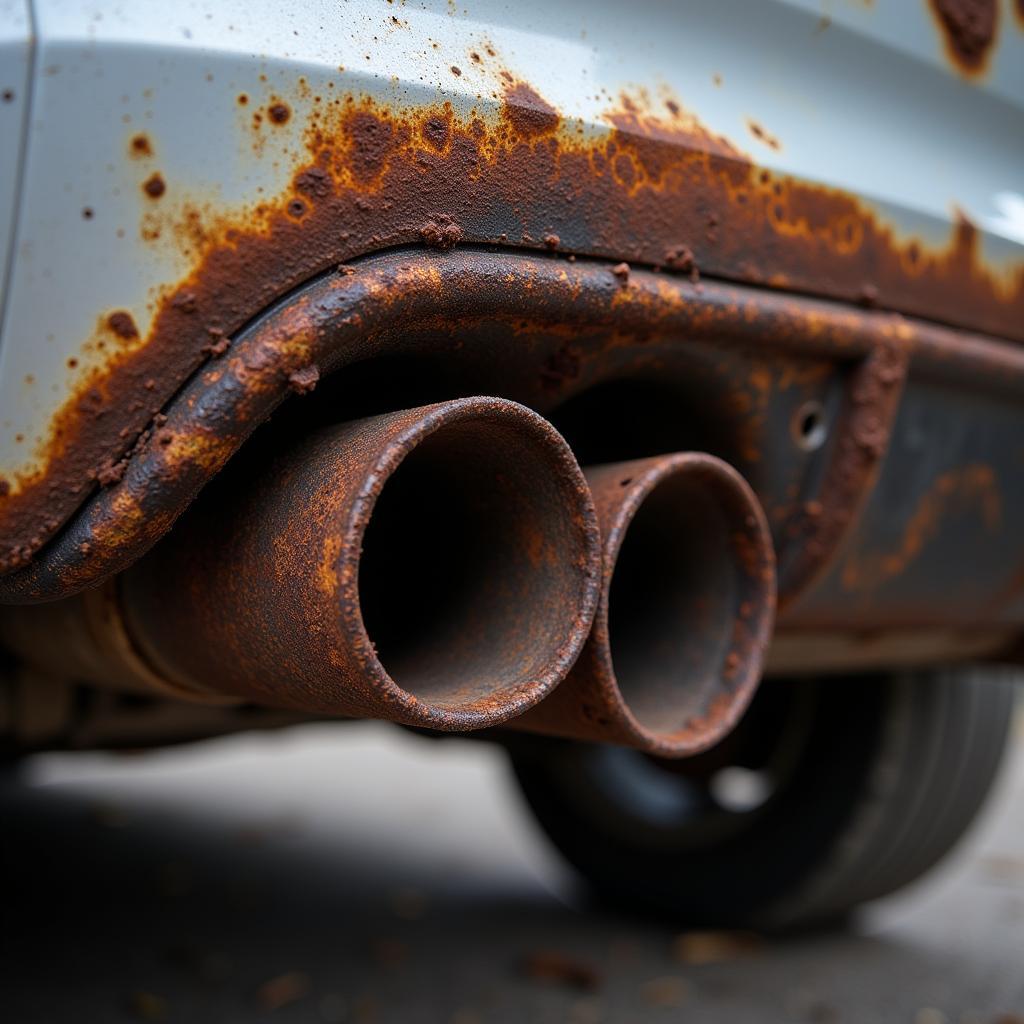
x: 586, y: 322
x: 546, y: 331
x: 436, y: 567
x: 686, y: 611
x: 656, y: 188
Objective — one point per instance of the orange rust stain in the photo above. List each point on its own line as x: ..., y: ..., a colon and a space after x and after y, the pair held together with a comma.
x: 140, y: 146
x: 955, y: 492
x: 968, y: 29
x: 368, y: 176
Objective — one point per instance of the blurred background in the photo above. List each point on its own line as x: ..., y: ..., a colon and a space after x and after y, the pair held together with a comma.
x: 362, y: 873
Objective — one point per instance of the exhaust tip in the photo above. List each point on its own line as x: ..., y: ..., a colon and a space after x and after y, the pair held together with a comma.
x: 437, y: 566
x: 478, y: 552
x: 686, y: 611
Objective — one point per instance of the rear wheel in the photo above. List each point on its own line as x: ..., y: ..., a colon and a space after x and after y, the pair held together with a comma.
x: 828, y: 794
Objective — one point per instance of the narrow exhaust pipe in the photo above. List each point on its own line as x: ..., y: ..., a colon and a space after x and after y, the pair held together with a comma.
x: 438, y: 567
x: 686, y: 610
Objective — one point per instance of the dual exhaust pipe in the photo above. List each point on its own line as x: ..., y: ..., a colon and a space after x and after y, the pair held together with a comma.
x: 451, y: 567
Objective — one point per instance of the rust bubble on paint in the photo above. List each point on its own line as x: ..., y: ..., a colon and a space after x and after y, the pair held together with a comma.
x: 279, y: 113
x: 140, y: 146
x: 154, y: 186
x: 122, y: 324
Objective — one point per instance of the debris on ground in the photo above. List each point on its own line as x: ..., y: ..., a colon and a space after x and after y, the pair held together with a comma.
x: 667, y: 991
x: 147, y: 1006
x: 697, y: 948
x: 551, y: 966
x: 284, y: 989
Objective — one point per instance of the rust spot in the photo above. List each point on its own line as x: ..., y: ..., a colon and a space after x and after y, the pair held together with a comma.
x: 122, y: 324
x: 529, y: 115
x: 314, y: 182
x: 242, y: 99
x: 279, y: 113
x: 621, y: 271
x: 373, y: 142
x: 140, y: 145
x: 87, y: 213
x: 456, y: 71
x: 155, y: 186
x: 968, y: 30
x: 762, y: 135
x: 551, y: 241
x: 437, y: 132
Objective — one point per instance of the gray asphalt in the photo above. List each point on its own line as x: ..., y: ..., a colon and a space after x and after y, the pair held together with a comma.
x: 362, y: 874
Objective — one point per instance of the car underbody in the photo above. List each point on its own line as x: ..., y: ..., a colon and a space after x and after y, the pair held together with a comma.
x: 467, y: 370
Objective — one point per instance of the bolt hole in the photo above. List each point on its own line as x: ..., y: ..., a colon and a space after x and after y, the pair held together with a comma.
x: 808, y: 427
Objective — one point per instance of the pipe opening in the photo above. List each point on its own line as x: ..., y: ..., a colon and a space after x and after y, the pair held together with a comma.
x: 672, y: 603
x: 463, y: 580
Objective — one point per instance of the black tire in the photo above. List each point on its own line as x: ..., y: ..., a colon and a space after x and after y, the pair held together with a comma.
x: 866, y: 783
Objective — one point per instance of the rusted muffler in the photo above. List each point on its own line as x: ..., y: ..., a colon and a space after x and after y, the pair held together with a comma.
x: 437, y: 567
x: 686, y: 610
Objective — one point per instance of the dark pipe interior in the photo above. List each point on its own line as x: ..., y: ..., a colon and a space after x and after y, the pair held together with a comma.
x: 467, y: 585
x: 673, y: 597
x: 634, y: 418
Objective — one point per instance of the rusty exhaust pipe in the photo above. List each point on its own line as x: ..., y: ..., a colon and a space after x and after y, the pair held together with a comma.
x: 686, y: 610
x: 437, y: 567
